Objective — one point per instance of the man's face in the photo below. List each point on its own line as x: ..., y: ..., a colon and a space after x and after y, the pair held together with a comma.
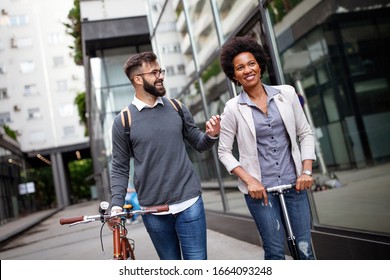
x: 153, y: 79
x: 156, y: 87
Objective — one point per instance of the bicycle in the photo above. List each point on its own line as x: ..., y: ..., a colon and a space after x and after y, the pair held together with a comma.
x: 123, y: 247
x: 291, y: 238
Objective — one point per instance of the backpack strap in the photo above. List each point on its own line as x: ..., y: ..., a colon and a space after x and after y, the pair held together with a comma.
x: 177, y: 105
x: 126, y: 122
x: 126, y: 118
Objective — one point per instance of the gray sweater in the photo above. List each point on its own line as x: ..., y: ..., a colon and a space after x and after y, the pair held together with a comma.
x: 163, y: 172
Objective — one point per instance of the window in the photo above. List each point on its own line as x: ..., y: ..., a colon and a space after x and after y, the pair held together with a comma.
x: 181, y: 69
x: 3, y: 93
x: 55, y: 38
x: 58, y: 61
x: 27, y: 67
x: 5, y: 117
x: 2, y: 69
x: 176, y: 48
x: 19, y: 20
x: 170, y: 70
x: 66, y: 110
x: 34, y: 113
x: 30, y: 90
x: 68, y: 131
x: 171, y: 48
x: 62, y: 85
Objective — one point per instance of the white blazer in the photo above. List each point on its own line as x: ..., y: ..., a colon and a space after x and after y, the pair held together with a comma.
x: 237, y: 121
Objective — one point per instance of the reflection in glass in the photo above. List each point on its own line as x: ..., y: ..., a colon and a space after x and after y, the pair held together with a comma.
x: 203, y: 30
x: 231, y: 12
x: 348, y: 97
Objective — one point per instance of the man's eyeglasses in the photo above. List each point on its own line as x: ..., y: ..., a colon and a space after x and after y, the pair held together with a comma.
x: 156, y: 73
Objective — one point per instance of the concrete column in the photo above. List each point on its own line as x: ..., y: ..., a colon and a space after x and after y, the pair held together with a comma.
x: 60, y: 185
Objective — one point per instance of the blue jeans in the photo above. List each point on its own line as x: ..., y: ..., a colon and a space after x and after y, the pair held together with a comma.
x: 270, y: 223
x: 179, y: 236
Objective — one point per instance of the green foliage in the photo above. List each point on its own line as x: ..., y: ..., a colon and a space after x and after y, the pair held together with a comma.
x: 74, y: 29
x: 79, y: 171
x: 82, y: 109
x: 11, y: 133
x: 280, y: 8
x: 212, y: 70
x: 44, y: 187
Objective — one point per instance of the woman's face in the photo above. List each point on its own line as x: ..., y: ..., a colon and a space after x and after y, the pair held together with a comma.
x: 246, y: 70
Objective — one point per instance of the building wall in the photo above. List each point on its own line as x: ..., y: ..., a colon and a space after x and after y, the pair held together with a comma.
x: 41, y: 78
x: 39, y: 81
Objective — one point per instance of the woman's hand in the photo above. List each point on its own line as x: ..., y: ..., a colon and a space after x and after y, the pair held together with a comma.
x: 256, y: 190
x: 304, y: 182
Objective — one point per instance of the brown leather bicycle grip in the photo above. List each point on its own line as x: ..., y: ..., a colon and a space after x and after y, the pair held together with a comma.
x: 71, y: 220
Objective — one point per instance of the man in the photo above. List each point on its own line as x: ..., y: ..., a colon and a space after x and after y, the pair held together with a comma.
x: 163, y: 172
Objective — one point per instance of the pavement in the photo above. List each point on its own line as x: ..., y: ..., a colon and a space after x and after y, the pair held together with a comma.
x: 220, y: 246
x: 22, y: 224
x: 376, y: 178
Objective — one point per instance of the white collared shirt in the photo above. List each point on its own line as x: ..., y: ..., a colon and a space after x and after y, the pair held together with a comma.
x: 140, y: 104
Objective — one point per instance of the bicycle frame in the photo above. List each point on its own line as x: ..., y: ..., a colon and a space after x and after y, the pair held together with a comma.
x: 122, y: 249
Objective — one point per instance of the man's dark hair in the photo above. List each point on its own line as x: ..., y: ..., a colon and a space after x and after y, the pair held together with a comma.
x: 135, y: 62
x: 237, y: 45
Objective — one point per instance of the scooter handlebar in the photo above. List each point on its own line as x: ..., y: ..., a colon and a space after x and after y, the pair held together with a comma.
x: 281, y: 188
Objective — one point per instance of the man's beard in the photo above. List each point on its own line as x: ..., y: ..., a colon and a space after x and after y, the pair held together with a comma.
x: 153, y: 90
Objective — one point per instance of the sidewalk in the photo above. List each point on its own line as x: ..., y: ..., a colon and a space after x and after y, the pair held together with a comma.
x: 331, y: 205
x: 220, y: 246
x: 20, y: 225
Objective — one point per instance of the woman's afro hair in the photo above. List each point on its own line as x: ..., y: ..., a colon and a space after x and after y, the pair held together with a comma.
x: 237, y: 45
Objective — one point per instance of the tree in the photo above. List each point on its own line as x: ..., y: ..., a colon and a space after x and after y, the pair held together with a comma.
x: 79, y: 170
x: 82, y: 109
x: 74, y: 29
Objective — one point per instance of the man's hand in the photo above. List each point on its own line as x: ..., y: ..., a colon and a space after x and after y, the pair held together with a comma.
x: 213, y: 126
x: 115, y: 210
x: 114, y: 221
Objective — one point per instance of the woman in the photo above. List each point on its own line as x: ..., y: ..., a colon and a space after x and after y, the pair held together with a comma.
x: 267, y: 121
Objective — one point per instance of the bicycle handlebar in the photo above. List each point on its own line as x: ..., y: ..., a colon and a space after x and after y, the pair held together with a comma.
x: 105, y: 217
x: 71, y: 220
x: 281, y: 188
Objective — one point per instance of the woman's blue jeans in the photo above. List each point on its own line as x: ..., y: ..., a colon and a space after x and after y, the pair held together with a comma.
x: 270, y: 223
x: 179, y: 236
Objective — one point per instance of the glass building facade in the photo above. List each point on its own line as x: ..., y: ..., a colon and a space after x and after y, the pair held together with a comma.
x: 15, y: 198
x: 334, y: 52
